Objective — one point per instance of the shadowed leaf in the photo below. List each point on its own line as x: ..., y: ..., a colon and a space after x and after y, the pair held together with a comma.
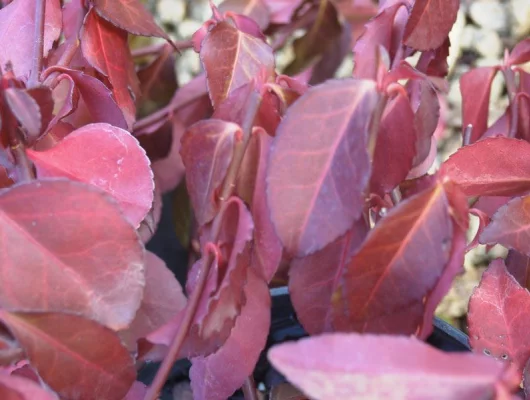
x: 241, y: 350
x: 255, y: 9
x: 76, y: 357
x: 17, y: 388
x: 207, y: 150
x: 17, y: 21
x: 429, y: 23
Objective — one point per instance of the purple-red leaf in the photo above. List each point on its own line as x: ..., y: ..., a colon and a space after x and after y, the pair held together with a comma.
x: 497, y: 317
x: 26, y: 110
x: 319, y: 164
x: 518, y: 265
x: 475, y: 86
x: 232, y: 58
x: 267, y: 248
x: 162, y: 300
x: 510, y: 226
x: 22, y: 389
x: 314, y: 278
x: 76, y: 357
x: 106, y: 48
x: 17, y: 33
x: 131, y: 16
x: 255, y: 9
x: 396, y: 146
x: 494, y: 167
x: 357, y: 367
x: 218, y: 375
x: 429, y: 23
x: 65, y: 246
x: 399, y: 263
x: 207, y: 149
x: 107, y: 157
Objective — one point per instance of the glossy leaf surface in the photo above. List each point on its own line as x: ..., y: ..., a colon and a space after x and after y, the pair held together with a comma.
x: 510, y: 226
x: 319, y: 164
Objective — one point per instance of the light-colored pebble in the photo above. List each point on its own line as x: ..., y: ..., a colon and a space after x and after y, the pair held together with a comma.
x: 171, y: 11
x: 455, y: 37
x: 489, y: 14
x: 467, y: 39
x: 488, y: 44
x: 520, y: 11
x: 187, y: 28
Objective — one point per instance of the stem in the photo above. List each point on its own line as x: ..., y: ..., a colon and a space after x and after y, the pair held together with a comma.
x: 254, y: 102
x: 24, y: 167
x: 154, y: 49
x: 511, y: 88
x: 36, y: 62
x: 374, y: 125
x: 467, y: 135
x: 249, y: 389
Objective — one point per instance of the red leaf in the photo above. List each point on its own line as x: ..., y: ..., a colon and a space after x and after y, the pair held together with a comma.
x: 106, y: 49
x: 220, y: 374
x: 282, y: 10
x: 518, y: 265
x: 117, y: 165
x: 314, y: 278
x: 76, y: 357
x: 267, y: 248
x: 352, y: 366
x: 232, y: 58
x: 429, y: 23
x: 97, y: 97
x: 223, y: 296
x: 22, y: 389
x: 426, y: 107
x: 494, y: 167
x: 137, y: 391
x: 73, y: 15
x: 162, y: 300
x: 396, y: 146
x: 207, y: 150
x: 399, y: 263
x: 489, y: 205
x: 319, y: 164
x: 26, y: 111
x: 56, y: 235
x: 131, y: 16
x: 497, y: 320
x: 510, y: 226
x: 255, y: 9
x: 475, y: 86
x: 17, y: 21
x: 193, y: 106
x: 520, y: 54
x: 379, y: 31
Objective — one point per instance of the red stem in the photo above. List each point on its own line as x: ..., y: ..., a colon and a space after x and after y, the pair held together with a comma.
x: 36, y: 61
x: 154, y: 389
x: 154, y: 49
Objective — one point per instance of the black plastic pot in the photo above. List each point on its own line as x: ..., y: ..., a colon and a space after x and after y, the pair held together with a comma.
x: 284, y: 324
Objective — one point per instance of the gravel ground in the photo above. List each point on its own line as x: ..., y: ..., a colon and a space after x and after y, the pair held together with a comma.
x: 484, y: 29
